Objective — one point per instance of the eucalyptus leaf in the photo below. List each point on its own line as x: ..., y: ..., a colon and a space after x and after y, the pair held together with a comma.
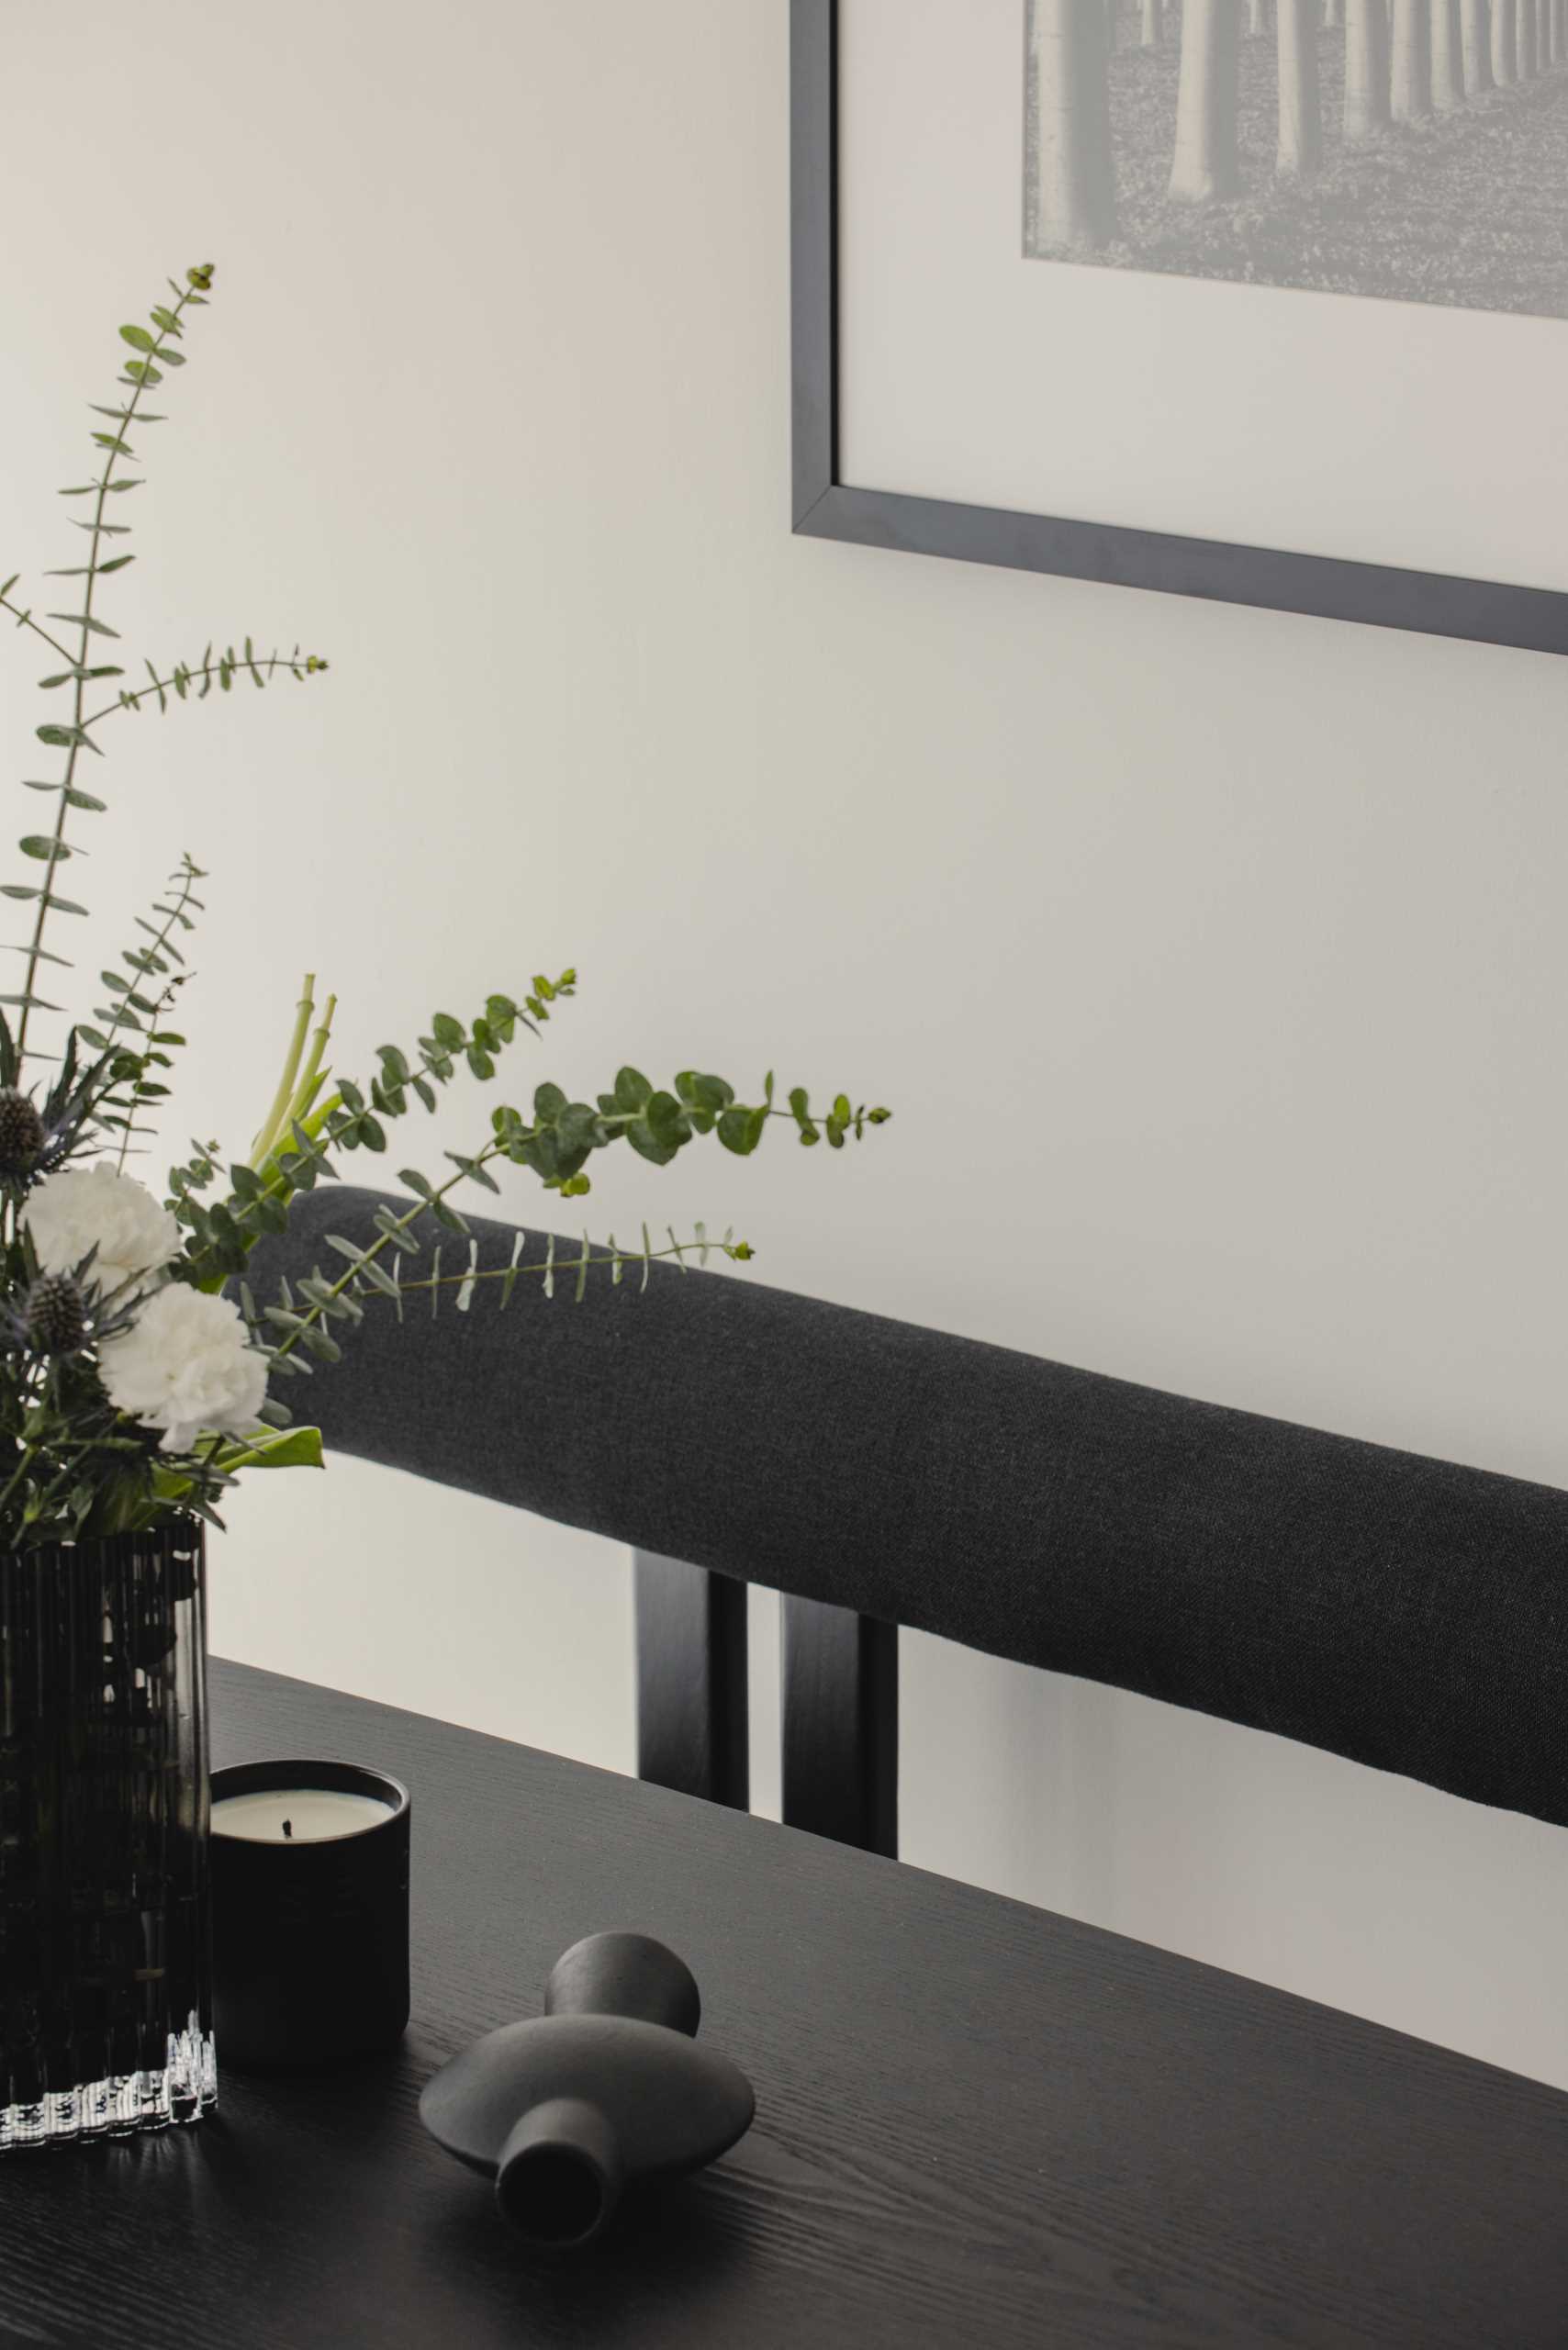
x: 740, y: 1132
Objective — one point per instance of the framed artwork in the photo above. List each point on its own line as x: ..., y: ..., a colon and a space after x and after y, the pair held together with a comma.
x: 1264, y: 301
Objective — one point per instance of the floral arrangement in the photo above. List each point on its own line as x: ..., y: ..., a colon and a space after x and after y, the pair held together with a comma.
x: 137, y: 1363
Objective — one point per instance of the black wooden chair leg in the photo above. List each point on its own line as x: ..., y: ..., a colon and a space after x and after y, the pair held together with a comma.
x: 692, y: 1720
x: 840, y: 1674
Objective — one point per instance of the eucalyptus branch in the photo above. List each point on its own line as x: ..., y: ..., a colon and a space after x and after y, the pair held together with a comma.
x: 122, y: 1063
x: 365, y: 1278
x: 657, y: 1124
x: 139, y: 373
x: 609, y: 1258
x: 225, y: 669
x: 554, y: 1145
x: 152, y: 351
x: 144, y: 1089
x: 129, y: 1008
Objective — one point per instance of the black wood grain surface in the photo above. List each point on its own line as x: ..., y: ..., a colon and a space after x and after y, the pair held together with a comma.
x: 979, y: 2124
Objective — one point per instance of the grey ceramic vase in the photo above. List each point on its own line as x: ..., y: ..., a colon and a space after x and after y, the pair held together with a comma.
x: 607, y: 2086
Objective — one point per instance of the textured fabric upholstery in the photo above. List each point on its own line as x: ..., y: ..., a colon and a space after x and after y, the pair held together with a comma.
x: 1410, y: 1613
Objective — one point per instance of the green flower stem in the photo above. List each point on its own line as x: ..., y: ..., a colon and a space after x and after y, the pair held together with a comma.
x: 490, y: 1150
x: 311, y: 1077
x: 267, y: 1134
x: 24, y: 620
x: 300, y: 1108
x: 82, y: 659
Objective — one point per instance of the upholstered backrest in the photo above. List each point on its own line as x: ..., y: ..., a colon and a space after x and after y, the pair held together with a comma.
x: 1409, y: 1613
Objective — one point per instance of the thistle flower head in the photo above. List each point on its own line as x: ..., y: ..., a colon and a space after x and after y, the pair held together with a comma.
x: 54, y: 1318
x: 22, y: 1134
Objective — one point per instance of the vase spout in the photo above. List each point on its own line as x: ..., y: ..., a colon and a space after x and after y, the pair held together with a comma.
x: 559, y: 2176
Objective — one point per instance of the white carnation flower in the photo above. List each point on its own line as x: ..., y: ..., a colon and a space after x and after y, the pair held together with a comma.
x: 186, y: 1365
x: 84, y: 1208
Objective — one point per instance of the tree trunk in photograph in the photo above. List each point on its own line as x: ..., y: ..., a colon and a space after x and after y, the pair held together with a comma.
x: 1410, y: 75
x: 1153, y: 23
x: 1206, y: 165
x: 1075, y: 198
x: 1301, y: 105
x: 1366, y: 70
x: 1505, y: 55
x: 1259, y: 16
x: 1476, y: 35
x: 1447, y: 56
x: 1524, y: 40
x: 1544, y: 52
x: 1333, y: 15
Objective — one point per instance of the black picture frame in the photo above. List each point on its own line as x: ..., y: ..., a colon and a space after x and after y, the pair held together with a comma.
x: 827, y: 507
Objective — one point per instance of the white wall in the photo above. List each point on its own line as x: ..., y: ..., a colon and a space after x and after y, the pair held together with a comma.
x: 1214, y: 960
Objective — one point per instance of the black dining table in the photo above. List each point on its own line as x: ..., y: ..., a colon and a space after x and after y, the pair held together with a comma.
x: 977, y: 2123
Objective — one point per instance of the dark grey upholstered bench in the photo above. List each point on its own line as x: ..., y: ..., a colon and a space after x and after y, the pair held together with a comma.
x: 1409, y: 1613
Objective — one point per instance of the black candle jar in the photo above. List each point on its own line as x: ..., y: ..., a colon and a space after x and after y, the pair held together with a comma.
x: 311, y: 1919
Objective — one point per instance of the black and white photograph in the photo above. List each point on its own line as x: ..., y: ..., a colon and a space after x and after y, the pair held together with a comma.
x: 1413, y: 150
x: 1208, y: 298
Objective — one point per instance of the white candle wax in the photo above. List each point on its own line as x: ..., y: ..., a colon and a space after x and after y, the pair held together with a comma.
x: 296, y: 1815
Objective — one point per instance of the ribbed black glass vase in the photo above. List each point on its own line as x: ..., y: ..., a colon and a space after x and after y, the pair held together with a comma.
x: 106, y: 2002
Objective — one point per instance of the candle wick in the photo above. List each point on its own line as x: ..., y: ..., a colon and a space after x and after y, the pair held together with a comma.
x: 288, y: 1828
